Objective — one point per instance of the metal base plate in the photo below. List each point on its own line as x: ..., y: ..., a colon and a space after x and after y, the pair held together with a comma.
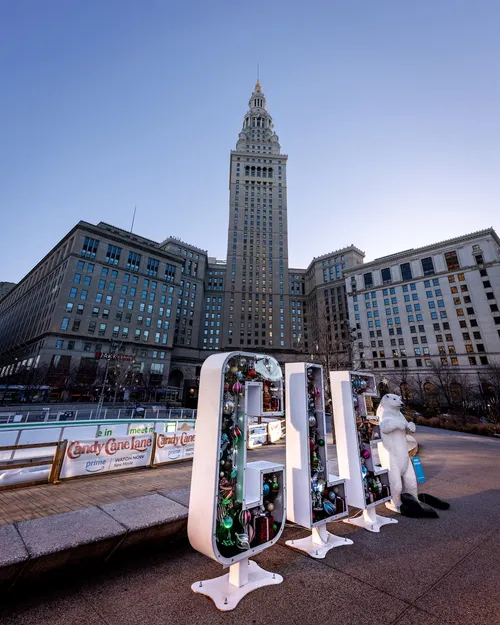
x: 226, y: 596
x: 318, y: 550
x: 370, y: 521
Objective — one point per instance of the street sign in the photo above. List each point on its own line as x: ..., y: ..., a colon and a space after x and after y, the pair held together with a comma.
x: 114, y: 356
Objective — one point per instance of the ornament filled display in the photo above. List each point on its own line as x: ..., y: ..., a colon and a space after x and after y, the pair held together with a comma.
x: 314, y: 497
x: 249, y: 508
x: 358, y: 437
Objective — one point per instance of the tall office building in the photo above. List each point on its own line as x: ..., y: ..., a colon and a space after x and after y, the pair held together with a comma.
x: 256, y: 303
x: 434, y: 306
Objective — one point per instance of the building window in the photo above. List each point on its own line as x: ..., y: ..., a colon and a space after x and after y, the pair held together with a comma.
x: 64, y: 323
x: 406, y: 271
x: 89, y: 248
x: 102, y: 329
x: 134, y: 261
x: 427, y: 266
x: 368, y: 279
x: 152, y: 267
x: 386, y: 275
x: 113, y: 255
x: 451, y: 259
x: 170, y: 273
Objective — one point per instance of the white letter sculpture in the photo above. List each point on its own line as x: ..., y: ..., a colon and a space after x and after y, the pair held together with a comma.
x: 393, y: 451
x: 357, y: 437
x: 314, y: 497
x: 236, y: 508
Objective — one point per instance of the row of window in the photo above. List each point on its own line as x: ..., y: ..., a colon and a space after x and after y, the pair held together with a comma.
x: 113, y: 256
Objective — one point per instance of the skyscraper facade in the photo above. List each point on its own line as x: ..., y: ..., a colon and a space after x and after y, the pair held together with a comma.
x: 256, y: 302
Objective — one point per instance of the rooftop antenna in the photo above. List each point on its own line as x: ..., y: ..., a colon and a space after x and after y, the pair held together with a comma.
x: 133, y: 219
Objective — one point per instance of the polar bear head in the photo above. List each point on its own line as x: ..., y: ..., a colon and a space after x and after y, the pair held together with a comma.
x: 389, y: 404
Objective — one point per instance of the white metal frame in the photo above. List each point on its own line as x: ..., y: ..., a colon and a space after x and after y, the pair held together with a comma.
x: 348, y: 447
x: 298, y: 461
x: 244, y: 575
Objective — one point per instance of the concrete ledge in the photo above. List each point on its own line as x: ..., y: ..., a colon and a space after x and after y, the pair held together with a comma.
x: 148, y: 518
x: 61, y: 539
x: 180, y: 495
x: 33, y: 548
x: 13, y: 555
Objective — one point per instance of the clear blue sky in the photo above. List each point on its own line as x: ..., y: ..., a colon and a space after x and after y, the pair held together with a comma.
x: 388, y: 110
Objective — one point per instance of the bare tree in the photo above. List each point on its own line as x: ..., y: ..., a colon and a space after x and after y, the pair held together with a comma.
x: 120, y: 376
x: 443, y: 376
x: 489, y: 387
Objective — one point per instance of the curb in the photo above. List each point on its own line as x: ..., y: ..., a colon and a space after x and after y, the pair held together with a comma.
x: 31, y: 549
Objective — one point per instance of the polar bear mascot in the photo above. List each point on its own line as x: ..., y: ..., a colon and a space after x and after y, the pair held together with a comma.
x: 394, y: 456
x: 394, y: 449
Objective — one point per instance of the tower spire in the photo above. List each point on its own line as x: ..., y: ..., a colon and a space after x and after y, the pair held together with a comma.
x: 257, y: 84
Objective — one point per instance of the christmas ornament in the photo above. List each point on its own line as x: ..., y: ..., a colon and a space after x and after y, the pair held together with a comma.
x: 227, y: 522
x: 252, y: 373
x: 240, y: 376
x: 234, y: 473
x: 312, y: 421
x: 228, y: 407
x: 235, y: 433
x: 314, y: 462
x: 275, y: 485
x: 270, y: 506
x: 321, y: 442
x: 237, y: 387
x: 266, y: 489
x: 332, y: 495
x: 242, y: 541
x: 226, y: 386
x: 329, y: 508
x: 366, y: 454
x: 244, y: 517
x: 321, y: 485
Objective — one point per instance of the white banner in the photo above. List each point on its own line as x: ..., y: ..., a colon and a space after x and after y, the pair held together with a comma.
x: 176, y: 445
x: 274, y: 430
x: 102, y: 455
x: 257, y: 435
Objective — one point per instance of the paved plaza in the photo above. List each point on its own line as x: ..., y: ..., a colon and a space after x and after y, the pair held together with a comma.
x: 420, y: 571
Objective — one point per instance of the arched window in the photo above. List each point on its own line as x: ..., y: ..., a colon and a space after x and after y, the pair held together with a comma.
x: 456, y: 392
x: 429, y: 388
x: 264, y: 172
x: 406, y: 393
x: 270, y: 172
x: 247, y: 170
x: 258, y: 172
x: 383, y: 388
x: 253, y: 172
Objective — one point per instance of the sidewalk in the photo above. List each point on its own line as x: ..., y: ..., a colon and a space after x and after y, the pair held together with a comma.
x: 33, y: 502
x: 418, y: 572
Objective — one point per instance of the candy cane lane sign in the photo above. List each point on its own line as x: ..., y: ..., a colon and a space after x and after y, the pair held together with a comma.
x: 177, y: 445
x: 101, y: 455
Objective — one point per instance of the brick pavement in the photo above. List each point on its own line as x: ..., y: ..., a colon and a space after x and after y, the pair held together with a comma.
x: 31, y: 502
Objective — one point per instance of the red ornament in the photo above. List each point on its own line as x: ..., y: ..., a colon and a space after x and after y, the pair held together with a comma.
x: 311, y: 444
x: 226, y: 386
x: 252, y: 373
